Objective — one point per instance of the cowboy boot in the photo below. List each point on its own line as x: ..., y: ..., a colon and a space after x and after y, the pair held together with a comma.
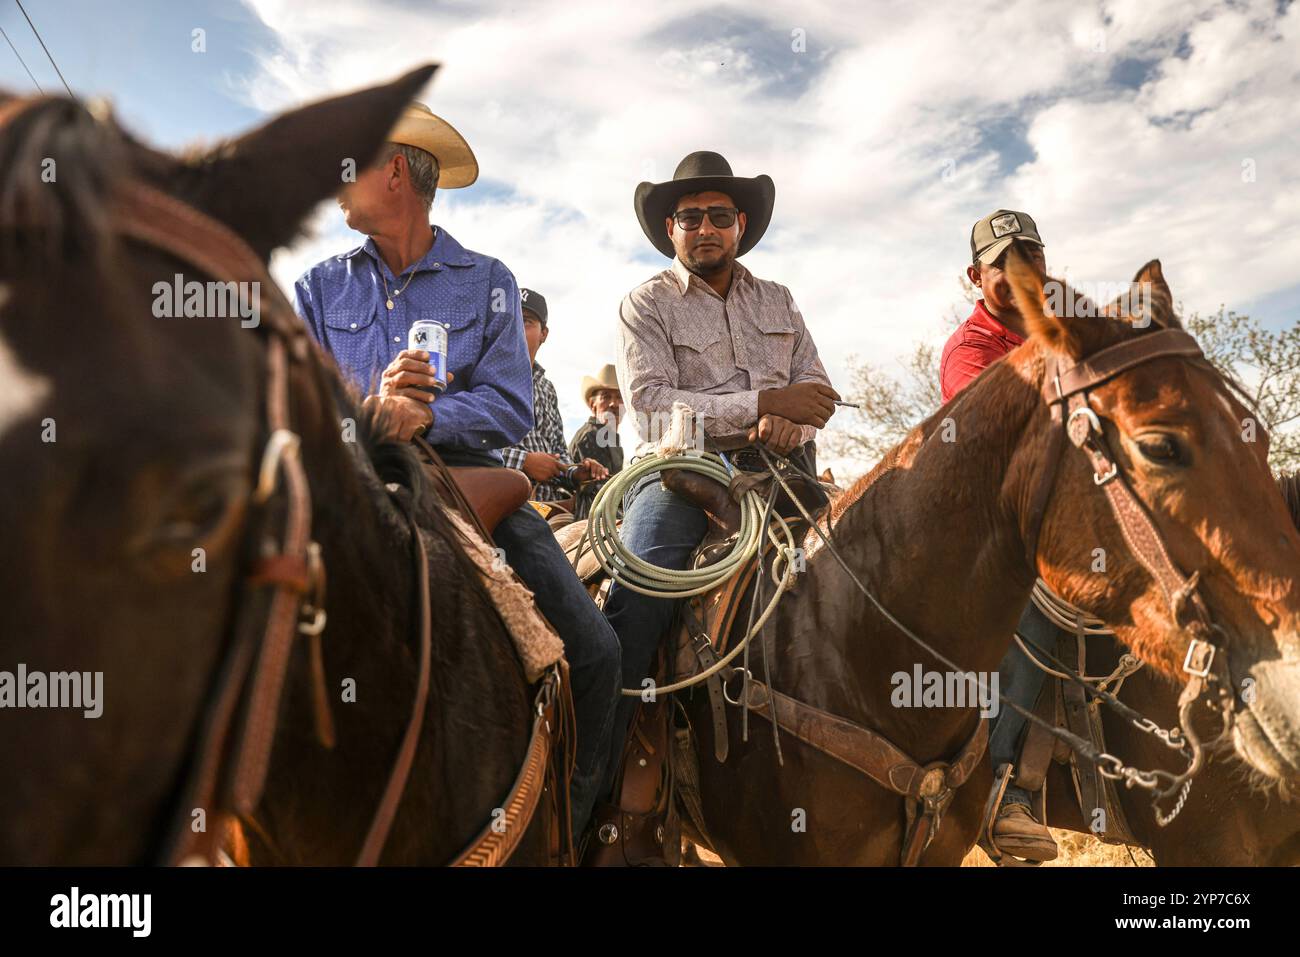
x: 1015, y: 832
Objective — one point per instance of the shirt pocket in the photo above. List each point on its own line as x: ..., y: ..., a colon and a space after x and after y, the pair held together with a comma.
x: 704, y: 357
x: 354, y: 339
x: 771, y: 354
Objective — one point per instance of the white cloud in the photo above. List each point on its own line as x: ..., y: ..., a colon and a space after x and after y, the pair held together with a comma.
x: 570, y: 104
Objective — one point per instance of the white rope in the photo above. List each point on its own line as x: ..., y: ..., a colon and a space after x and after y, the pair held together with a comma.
x: 1065, y: 615
x: 1061, y: 613
x: 669, y: 583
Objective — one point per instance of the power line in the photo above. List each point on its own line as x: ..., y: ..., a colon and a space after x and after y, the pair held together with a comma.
x: 46, y: 49
x: 21, y: 60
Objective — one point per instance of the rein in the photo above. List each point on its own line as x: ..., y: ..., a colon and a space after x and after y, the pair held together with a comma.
x: 1069, y: 387
x: 235, y: 749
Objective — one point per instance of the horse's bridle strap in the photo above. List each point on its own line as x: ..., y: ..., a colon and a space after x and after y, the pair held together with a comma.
x: 284, y: 571
x: 1113, y: 360
x: 1066, y: 391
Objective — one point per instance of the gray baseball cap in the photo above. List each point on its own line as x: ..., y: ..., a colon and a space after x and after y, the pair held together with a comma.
x: 998, y: 230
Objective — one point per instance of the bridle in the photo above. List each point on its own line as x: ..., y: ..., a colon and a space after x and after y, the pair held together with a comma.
x: 282, y: 595
x: 1066, y: 391
x: 239, y: 727
x: 235, y: 746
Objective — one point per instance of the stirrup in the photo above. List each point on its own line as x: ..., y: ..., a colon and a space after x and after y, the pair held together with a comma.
x: 986, y: 843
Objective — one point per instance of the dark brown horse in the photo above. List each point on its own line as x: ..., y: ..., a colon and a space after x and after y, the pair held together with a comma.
x: 939, y: 531
x: 1231, y: 818
x: 129, y: 441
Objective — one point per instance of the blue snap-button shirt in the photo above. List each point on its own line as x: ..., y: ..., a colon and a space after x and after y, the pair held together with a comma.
x: 489, y: 404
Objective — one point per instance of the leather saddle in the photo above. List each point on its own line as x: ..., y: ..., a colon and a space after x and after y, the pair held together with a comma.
x: 643, y: 825
x: 483, y: 495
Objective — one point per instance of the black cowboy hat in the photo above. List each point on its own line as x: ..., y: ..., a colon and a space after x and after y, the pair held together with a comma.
x: 700, y: 172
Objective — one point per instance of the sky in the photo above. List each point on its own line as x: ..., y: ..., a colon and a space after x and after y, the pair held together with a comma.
x: 1129, y: 130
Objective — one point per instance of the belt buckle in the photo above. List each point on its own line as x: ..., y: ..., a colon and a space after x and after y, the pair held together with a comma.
x: 1209, y: 661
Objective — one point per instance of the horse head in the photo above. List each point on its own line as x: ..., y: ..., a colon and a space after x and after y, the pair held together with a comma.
x: 131, y: 437
x: 1195, y: 458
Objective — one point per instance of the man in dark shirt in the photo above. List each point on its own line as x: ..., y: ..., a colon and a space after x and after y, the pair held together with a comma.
x: 541, y: 454
x: 597, y: 440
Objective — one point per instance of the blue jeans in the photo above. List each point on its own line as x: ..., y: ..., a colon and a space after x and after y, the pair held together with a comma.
x: 1021, y: 681
x: 589, y: 645
x: 662, y: 528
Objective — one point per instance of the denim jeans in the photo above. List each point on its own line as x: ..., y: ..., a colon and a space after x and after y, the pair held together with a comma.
x: 589, y: 645
x: 1021, y: 681
x: 662, y: 528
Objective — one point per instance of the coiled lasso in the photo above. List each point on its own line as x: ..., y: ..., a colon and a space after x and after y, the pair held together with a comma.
x: 670, y: 583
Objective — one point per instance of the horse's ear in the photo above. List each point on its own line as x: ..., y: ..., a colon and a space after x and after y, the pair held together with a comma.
x: 264, y: 184
x: 1155, y: 300
x: 1028, y: 288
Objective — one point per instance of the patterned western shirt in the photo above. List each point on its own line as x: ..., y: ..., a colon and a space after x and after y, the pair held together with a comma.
x: 489, y: 403
x: 546, y: 435
x: 679, y: 341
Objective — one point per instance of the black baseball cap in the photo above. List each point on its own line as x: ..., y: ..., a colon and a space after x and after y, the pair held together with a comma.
x: 534, y: 302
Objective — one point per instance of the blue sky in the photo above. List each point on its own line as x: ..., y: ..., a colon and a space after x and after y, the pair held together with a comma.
x: 1125, y: 128
x: 138, y: 54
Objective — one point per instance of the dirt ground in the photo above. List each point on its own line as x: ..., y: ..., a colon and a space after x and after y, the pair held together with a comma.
x: 1077, y: 850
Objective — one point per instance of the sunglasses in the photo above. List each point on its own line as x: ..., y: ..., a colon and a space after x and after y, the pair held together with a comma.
x: 722, y: 217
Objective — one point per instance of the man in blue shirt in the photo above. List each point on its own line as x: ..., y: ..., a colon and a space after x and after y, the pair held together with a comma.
x: 360, y: 306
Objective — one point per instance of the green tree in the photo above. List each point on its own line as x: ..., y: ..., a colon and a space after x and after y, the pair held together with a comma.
x: 1267, y: 366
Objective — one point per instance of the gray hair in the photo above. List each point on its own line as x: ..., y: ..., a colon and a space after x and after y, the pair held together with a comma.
x: 423, y: 167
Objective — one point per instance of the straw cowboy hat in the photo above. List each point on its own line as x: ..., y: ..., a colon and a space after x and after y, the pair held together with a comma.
x: 421, y: 128
x: 607, y: 378
x: 700, y: 172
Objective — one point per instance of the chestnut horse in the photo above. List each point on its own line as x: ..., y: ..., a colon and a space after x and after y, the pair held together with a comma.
x: 940, y: 532
x: 1229, y: 819
x: 129, y: 443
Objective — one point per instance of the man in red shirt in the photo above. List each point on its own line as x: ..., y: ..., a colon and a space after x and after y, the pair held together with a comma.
x: 994, y: 329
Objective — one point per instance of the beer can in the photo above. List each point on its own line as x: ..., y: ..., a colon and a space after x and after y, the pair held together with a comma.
x: 431, y: 337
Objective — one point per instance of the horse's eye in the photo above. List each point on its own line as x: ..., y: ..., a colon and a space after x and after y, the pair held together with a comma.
x: 193, y: 519
x: 1160, y: 449
x: 204, y: 509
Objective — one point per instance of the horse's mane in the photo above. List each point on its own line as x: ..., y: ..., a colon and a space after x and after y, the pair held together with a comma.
x: 393, y: 462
